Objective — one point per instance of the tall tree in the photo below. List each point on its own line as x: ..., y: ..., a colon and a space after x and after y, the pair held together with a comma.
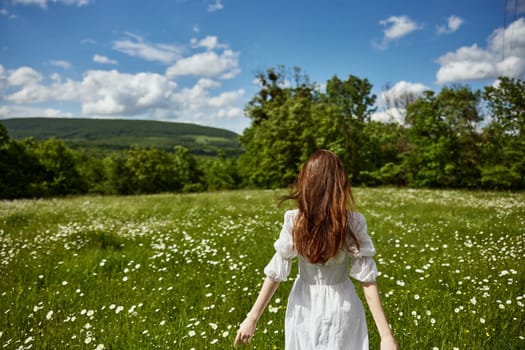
x: 351, y: 105
x: 281, y: 132
x: 444, y: 143
x: 505, y: 135
x: 62, y: 175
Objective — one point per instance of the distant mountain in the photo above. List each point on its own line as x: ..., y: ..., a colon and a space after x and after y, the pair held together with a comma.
x: 120, y: 134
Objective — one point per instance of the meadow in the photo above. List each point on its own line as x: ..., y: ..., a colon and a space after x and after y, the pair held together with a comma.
x: 175, y: 271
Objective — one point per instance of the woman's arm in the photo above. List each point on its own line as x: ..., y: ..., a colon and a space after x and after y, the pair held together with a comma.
x: 374, y: 304
x: 247, y: 327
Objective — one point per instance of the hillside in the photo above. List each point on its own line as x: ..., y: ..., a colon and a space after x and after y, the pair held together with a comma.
x: 118, y: 134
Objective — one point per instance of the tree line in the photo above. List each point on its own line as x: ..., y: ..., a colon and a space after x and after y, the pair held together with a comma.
x: 30, y: 169
x: 457, y: 138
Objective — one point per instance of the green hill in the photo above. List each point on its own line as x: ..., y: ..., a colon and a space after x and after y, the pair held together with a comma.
x: 119, y: 134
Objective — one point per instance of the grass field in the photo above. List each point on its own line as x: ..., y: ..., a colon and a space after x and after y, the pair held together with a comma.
x: 180, y: 271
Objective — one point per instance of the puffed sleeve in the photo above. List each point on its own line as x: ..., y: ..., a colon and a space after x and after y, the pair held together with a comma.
x: 364, y: 267
x: 280, y: 265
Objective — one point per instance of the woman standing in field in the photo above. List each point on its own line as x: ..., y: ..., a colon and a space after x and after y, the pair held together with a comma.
x: 324, y: 311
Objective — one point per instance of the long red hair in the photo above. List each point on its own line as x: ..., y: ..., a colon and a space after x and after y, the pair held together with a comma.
x: 323, y: 195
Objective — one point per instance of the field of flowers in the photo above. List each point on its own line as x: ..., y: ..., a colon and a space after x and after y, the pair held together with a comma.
x: 180, y: 271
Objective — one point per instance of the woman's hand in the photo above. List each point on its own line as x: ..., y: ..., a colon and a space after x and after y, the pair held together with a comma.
x: 389, y: 343
x: 245, y: 332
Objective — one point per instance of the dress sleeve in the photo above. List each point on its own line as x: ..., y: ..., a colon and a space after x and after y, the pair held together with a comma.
x: 363, y: 268
x: 280, y: 265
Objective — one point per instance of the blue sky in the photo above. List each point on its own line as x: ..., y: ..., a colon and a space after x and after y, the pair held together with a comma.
x: 195, y: 60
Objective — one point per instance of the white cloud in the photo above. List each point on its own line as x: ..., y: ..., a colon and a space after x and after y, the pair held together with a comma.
x: 400, y: 27
x: 102, y: 93
x: 209, y: 42
x: 23, y: 76
x: 112, y: 92
x: 44, y: 3
x: 453, y: 24
x: 216, y: 6
x: 504, y: 55
x: 207, y: 64
x: 103, y: 59
x: 401, y: 91
x: 393, y: 101
x: 136, y: 46
x: 397, y: 27
x: 26, y: 111
x: 196, y: 28
x: 391, y: 115
x: 61, y: 64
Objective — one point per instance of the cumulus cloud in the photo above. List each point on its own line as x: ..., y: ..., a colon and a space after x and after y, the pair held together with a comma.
x: 394, y: 101
x: 397, y: 27
x: 23, y: 76
x: 216, y: 6
x: 402, y: 90
x: 28, y: 111
x: 209, y: 42
x: 207, y: 64
x: 44, y: 3
x: 61, y: 64
x: 136, y: 46
x: 390, y: 115
x: 110, y: 93
x: 103, y: 59
x: 453, y: 24
x: 503, y: 55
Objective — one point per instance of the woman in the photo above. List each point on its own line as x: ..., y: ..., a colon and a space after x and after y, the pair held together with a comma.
x: 324, y: 311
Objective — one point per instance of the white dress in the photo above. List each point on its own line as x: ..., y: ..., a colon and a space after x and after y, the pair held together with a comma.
x: 324, y: 310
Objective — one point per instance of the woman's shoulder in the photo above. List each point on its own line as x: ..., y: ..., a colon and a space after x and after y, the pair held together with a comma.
x: 291, y: 214
x: 357, y: 219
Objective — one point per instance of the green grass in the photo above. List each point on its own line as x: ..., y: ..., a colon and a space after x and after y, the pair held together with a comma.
x: 180, y: 271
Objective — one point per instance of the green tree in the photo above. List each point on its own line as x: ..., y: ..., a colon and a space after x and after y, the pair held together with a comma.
x: 504, y: 137
x: 221, y: 173
x: 351, y: 105
x: 281, y: 135
x: 21, y: 174
x: 188, y: 176
x: 150, y: 171
x: 444, y: 142
x: 61, y: 173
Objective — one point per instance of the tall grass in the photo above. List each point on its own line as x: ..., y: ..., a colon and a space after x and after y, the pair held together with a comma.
x: 180, y: 271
